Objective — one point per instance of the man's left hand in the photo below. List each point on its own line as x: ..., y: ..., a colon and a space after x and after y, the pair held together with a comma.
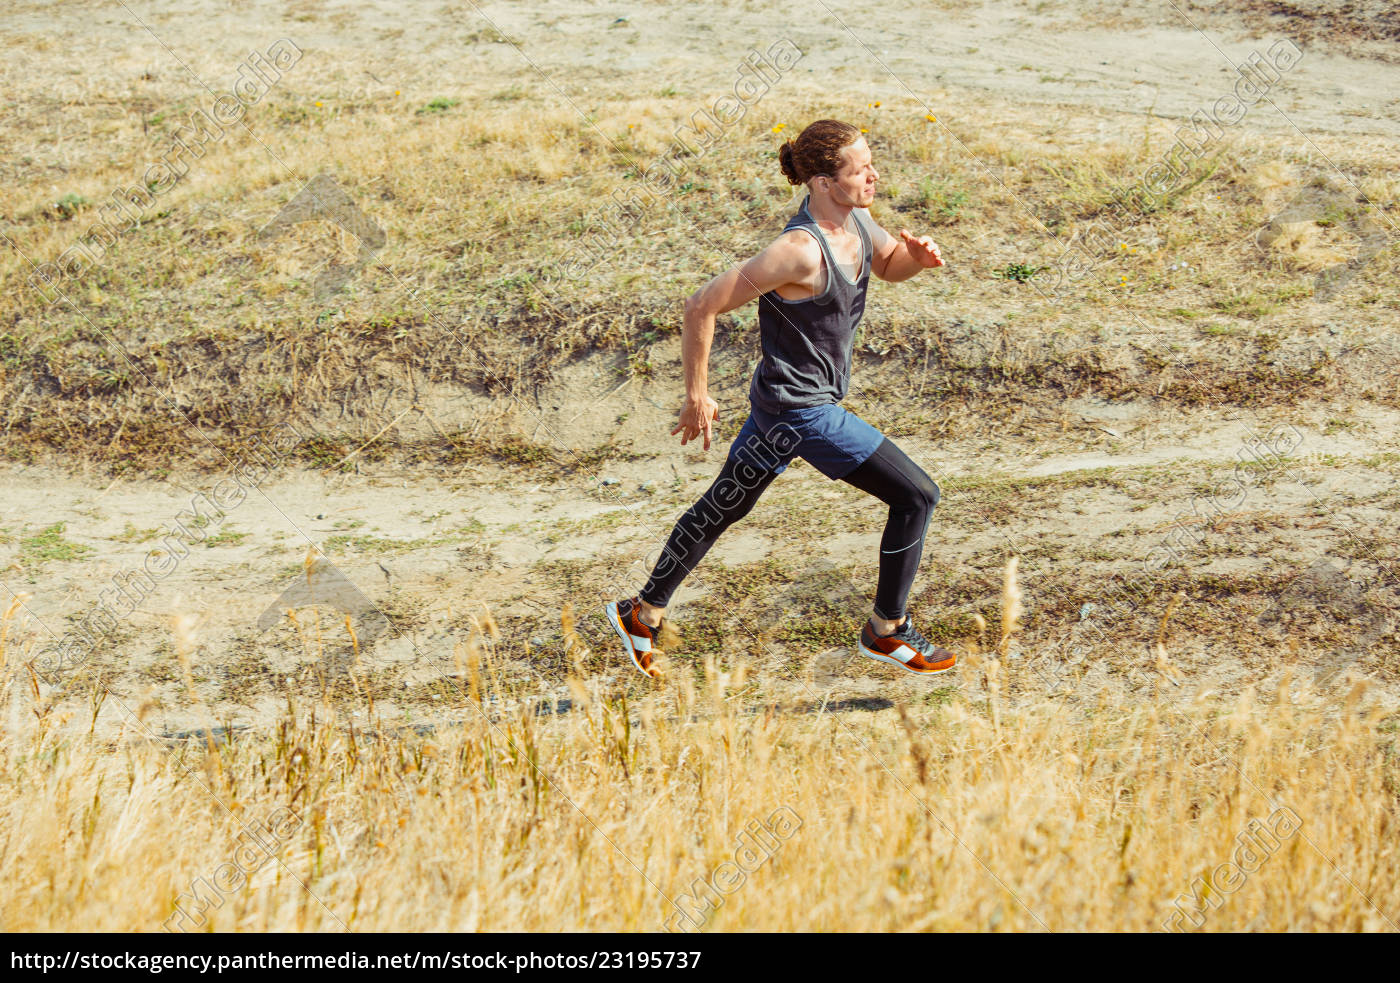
x: 922, y: 248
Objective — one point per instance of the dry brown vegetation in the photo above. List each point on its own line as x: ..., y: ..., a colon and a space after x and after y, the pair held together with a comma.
x: 192, y: 312
x: 602, y: 812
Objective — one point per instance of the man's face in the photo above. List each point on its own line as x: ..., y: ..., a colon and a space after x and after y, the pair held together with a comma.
x: 854, y: 183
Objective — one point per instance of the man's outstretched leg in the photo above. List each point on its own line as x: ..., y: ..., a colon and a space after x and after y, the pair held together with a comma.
x: 889, y: 635
x: 638, y: 619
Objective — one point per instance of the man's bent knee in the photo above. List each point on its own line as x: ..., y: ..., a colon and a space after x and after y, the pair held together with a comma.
x: 926, y: 492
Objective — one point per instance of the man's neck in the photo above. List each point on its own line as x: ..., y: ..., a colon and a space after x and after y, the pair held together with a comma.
x: 829, y: 214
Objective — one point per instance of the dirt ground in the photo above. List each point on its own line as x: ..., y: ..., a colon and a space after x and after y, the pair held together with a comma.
x: 1077, y: 499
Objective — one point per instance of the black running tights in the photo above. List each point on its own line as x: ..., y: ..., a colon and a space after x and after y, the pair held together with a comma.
x: 888, y: 474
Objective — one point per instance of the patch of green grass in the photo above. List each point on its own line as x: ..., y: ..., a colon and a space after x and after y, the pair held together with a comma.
x: 226, y: 538
x: 438, y: 105
x: 321, y: 453
x: 70, y: 204
x: 374, y: 544
x: 346, y: 542
x: 941, y: 200
x: 1378, y: 460
x: 818, y: 633
x: 133, y: 535
x: 49, y: 544
x: 1297, y: 291
x: 940, y: 697
x: 1246, y: 304
x: 708, y: 622
x: 611, y: 519
x: 1020, y: 272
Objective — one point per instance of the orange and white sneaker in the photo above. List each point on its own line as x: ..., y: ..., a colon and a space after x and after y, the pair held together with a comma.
x: 907, y: 649
x: 638, y: 637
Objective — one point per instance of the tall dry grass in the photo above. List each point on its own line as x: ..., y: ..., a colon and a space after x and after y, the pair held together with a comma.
x: 602, y: 814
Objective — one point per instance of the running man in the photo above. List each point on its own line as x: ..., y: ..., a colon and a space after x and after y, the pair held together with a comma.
x: 810, y: 284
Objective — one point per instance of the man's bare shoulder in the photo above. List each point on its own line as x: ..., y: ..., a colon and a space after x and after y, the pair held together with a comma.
x: 878, y: 236
x: 796, y: 250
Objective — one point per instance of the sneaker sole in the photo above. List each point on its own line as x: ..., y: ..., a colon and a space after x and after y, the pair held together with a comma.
x: 881, y: 657
x: 614, y: 619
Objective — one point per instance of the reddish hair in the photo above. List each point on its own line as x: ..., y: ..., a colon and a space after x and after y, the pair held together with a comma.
x: 817, y: 150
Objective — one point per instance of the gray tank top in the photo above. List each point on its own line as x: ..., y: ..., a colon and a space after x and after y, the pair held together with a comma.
x: 807, y: 343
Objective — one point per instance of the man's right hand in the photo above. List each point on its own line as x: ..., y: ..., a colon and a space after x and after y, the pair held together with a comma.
x: 697, y: 416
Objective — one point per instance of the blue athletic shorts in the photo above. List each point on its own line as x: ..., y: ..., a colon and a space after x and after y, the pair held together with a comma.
x: 831, y: 439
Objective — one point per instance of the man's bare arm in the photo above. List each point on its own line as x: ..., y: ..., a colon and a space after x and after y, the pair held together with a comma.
x: 793, y: 258
x: 894, y: 259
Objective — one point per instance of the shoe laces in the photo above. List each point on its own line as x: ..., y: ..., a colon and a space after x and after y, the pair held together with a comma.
x: 912, y: 634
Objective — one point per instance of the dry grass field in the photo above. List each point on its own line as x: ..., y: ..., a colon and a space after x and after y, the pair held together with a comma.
x: 327, y: 436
